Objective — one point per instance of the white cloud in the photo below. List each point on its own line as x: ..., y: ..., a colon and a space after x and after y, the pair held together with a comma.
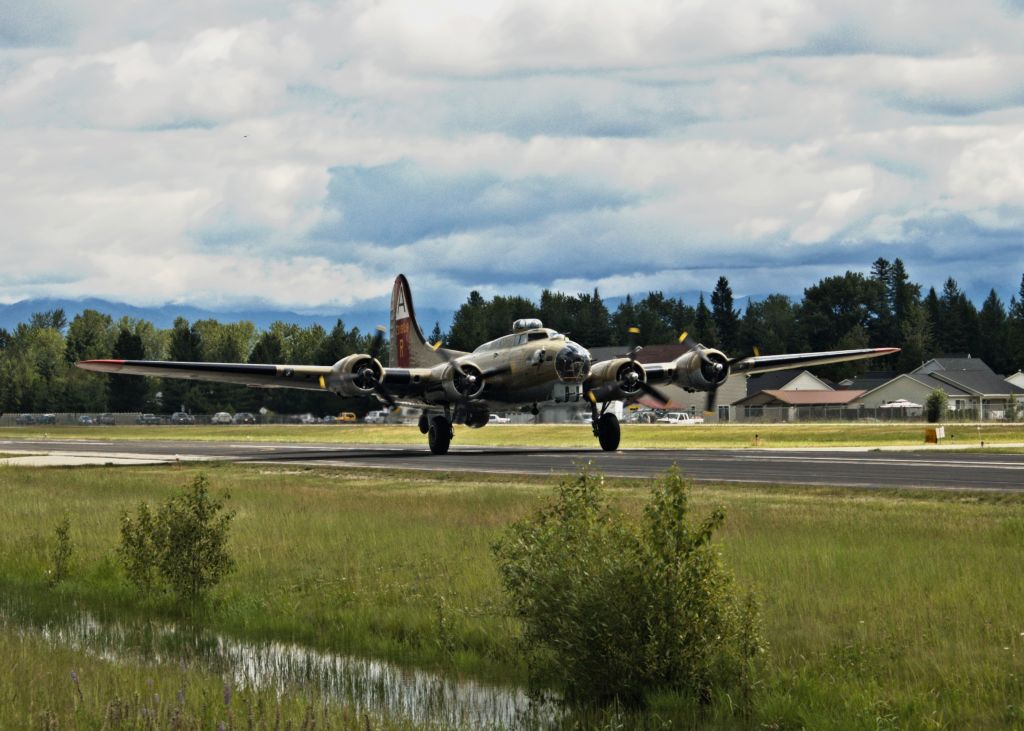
x: 170, y: 140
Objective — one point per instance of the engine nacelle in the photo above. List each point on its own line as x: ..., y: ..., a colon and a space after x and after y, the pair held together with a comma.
x: 700, y: 370
x: 617, y: 379
x: 464, y: 385
x: 355, y: 375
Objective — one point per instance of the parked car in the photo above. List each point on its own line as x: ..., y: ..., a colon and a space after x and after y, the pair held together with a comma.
x: 376, y: 417
x: 107, y: 419
x: 148, y: 419
x: 306, y: 418
x: 86, y: 420
x: 346, y: 416
x: 221, y: 417
x: 25, y: 420
x: 47, y: 419
x: 496, y: 419
x: 181, y: 417
x: 244, y: 417
x: 680, y: 417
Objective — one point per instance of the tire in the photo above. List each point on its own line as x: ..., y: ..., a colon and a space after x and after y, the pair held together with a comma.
x: 439, y: 435
x: 608, y: 432
x: 424, y: 423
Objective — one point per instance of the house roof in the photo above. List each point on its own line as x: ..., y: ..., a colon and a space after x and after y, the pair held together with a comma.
x: 647, y: 354
x: 979, y: 382
x: 868, y: 381
x: 928, y: 381
x: 956, y: 363
x: 800, y: 398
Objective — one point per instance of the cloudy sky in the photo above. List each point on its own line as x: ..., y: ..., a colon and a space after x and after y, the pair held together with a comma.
x: 218, y: 152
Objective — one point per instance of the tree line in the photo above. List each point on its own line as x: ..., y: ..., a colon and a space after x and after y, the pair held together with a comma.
x: 852, y: 310
x: 882, y: 308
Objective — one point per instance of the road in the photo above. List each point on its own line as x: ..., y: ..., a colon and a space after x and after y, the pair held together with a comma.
x: 863, y: 468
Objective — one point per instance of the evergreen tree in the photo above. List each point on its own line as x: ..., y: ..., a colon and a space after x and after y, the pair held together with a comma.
x: 469, y: 325
x: 727, y: 320
x: 882, y: 327
x: 185, y: 345
x: 916, y: 341
x: 128, y: 393
x: 704, y: 325
x: 436, y: 336
x: 833, y: 307
x: 957, y: 330
x: 1015, y: 330
x: 993, y: 334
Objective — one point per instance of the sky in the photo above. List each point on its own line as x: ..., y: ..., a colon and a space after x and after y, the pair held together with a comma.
x: 226, y: 152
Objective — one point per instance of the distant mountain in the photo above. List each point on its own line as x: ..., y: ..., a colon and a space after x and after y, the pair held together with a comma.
x: 163, y: 316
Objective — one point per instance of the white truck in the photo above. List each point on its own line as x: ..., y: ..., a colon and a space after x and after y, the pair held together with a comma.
x: 680, y: 417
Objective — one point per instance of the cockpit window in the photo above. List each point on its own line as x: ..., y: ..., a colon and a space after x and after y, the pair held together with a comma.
x: 538, y: 336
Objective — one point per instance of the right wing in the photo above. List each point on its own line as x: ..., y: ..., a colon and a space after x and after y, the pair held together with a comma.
x: 355, y: 375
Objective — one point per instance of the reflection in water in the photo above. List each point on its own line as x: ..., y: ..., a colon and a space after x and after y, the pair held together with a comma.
x: 366, y: 686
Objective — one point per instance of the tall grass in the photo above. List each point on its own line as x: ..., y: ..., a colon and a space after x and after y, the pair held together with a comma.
x: 881, y: 610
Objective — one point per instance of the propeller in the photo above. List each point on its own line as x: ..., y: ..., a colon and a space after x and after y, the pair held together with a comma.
x: 471, y: 379
x: 712, y: 368
x: 367, y: 377
x: 631, y: 379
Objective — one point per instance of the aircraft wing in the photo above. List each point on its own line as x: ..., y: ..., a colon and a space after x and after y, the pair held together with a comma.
x: 766, y: 363
x: 245, y: 374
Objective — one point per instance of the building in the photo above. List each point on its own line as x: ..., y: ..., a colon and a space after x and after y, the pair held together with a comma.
x: 774, y: 405
x: 974, y: 390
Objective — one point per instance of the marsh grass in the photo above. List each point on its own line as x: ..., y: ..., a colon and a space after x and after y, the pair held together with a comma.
x: 555, y: 435
x: 880, y: 609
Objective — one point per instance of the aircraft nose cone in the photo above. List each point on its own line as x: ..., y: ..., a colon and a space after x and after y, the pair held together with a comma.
x: 572, y: 363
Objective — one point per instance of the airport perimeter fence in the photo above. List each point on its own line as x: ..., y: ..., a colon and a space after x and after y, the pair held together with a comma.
x: 803, y: 414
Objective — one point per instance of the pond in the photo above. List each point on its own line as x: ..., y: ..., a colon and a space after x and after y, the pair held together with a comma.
x: 365, y: 685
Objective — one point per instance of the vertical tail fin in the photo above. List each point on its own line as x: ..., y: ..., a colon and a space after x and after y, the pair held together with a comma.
x: 409, y: 349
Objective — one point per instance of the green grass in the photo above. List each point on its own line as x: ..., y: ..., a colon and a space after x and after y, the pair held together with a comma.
x: 882, y: 610
x: 516, y: 435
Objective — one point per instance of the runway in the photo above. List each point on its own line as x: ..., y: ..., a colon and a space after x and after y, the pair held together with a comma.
x: 847, y: 468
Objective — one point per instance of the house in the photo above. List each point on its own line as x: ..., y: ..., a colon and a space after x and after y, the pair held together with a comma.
x: 789, y: 380
x: 973, y: 389
x: 794, y: 405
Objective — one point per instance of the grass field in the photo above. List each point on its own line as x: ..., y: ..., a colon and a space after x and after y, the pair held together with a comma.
x: 881, y: 610
x: 515, y: 435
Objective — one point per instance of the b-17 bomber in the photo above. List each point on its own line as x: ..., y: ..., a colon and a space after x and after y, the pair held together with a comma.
x: 530, y: 367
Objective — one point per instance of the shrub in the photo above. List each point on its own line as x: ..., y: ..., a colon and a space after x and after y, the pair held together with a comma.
x: 936, y: 405
x: 615, y: 610
x: 182, y: 548
x: 61, y: 552
x: 1012, y: 408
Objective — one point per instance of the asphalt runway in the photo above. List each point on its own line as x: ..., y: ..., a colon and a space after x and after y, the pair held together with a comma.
x: 841, y: 467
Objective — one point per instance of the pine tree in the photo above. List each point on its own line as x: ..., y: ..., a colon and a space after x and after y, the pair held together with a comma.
x: 130, y: 392
x: 704, y: 325
x: 993, y: 334
x: 726, y: 319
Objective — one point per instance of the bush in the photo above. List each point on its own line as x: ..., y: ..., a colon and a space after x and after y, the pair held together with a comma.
x: 613, y: 610
x: 936, y: 405
x: 61, y: 552
x: 182, y: 548
x: 1012, y: 408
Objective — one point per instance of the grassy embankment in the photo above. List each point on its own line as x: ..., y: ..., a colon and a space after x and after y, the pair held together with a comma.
x: 881, y: 610
x: 527, y: 435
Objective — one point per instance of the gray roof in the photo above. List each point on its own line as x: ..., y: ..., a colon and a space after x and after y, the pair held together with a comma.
x: 771, y: 381
x: 952, y: 364
x: 979, y: 382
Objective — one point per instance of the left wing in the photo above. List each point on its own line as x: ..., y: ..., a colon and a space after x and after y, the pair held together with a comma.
x: 766, y: 363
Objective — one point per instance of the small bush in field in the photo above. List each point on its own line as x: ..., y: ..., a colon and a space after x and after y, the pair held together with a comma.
x: 615, y: 610
x: 61, y: 552
x: 182, y: 547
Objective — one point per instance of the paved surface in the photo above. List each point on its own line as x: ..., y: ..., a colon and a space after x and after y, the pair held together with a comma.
x: 939, y: 469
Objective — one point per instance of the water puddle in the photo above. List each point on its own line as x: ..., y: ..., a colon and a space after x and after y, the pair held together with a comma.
x: 364, y: 685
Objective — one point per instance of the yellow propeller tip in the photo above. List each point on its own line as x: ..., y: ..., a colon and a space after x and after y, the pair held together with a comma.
x: 757, y: 351
x: 436, y: 345
x: 683, y: 337
x: 591, y: 397
x: 635, y: 330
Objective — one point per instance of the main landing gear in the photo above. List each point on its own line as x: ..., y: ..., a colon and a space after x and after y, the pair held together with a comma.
x: 438, y: 430
x: 606, y: 427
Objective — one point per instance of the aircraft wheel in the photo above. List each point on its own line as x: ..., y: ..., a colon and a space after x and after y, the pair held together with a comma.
x: 439, y: 436
x: 608, y: 432
x: 424, y: 423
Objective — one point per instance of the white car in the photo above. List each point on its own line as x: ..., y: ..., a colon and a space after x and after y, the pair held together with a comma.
x: 495, y: 419
x: 376, y: 417
x: 221, y: 417
x: 680, y: 417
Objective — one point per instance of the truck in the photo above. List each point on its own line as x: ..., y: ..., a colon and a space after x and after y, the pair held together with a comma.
x: 680, y: 417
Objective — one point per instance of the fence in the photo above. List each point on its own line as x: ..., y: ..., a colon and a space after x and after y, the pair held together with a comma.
x: 796, y: 414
